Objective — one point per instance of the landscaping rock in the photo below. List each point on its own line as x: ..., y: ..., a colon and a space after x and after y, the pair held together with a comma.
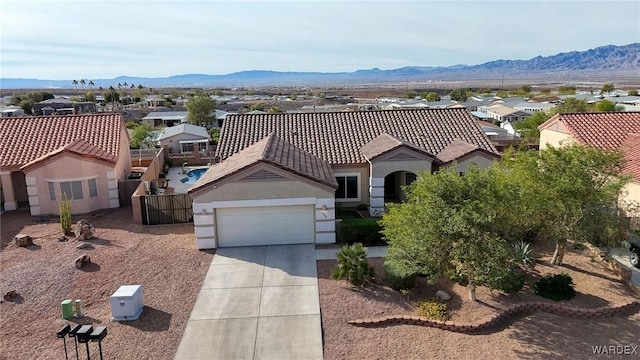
x: 82, y: 260
x: 443, y: 295
x: 84, y: 230
x: 23, y: 240
x: 84, y: 245
x: 62, y: 238
x: 9, y: 296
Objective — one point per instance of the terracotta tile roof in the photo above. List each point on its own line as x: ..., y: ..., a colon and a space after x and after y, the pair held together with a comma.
x: 385, y: 143
x: 631, y: 149
x: 456, y: 150
x: 275, y: 151
x: 337, y: 137
x: 25, y: 139
x: 606, y: 131
x: 78, y: 147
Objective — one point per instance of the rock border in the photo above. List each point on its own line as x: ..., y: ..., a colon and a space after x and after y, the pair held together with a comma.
x: 501, y: 316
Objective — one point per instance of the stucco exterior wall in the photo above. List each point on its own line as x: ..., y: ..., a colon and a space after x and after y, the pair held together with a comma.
x: 555, y: 138
x: 68, y: 167
x: 478, y: 159
x: 123, y: 165
x: 363, y: 177
x: 173, y: 142
x: 630, y: 199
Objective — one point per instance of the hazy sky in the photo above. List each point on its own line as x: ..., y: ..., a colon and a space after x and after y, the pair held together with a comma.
x: 108, y: 38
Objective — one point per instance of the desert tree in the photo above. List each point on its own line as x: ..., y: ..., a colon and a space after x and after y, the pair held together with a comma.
x: 607, y: 88
x: 200, y: 109
x: 568, y: 193
x: 453, y: 224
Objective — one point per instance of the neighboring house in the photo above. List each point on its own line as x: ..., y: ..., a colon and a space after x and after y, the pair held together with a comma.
x: 12, y: 112
x: 156, y: 101
x: 80, y: 156
x: 281, y: 175
x: 165, y: 118
x: 607, y: 131
x: 504, y: 113
x: 495, y: 132
x: 63, y: 107
x: 532, y: 107
x: 181, y: 138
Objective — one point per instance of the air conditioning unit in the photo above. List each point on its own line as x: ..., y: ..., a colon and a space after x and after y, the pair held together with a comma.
x: 126, y: 303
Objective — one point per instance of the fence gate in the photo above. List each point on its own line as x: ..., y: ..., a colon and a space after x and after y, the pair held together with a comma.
x: 166, y: 209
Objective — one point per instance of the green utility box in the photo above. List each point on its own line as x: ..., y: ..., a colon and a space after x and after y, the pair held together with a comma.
x: 67, y: 309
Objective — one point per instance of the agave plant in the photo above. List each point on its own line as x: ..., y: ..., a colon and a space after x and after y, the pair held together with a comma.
x: 353, y: 265
x: 522, y: 253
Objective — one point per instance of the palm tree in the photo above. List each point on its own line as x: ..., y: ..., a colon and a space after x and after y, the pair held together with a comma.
x: 75, y: 83
x: 82, y: 82
x: 113, y: 96
x: 91, y: 84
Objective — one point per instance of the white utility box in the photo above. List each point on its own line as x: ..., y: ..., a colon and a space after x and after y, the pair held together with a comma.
x: 126, y: 303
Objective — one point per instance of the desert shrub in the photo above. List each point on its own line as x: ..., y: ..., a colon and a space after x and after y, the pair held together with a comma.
x: 353, y: 265
x: 364, y: 231
x: 509, y: 281
x: 65, y: 214
x: 433, y: 309
x: 399, y: 275
x: 522, y: 253
x: 458, y: 277
x: 557, y: 287
x: 579, y: 246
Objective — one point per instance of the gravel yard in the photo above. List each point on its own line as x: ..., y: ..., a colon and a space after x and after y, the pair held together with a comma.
x: 162, y: 259
x: 535, y: 336
x: 165, y: 262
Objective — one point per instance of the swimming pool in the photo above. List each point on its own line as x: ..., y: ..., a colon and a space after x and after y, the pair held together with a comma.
x: 193, y: 176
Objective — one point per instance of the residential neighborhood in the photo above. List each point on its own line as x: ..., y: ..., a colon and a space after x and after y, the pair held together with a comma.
x: 234, y: 218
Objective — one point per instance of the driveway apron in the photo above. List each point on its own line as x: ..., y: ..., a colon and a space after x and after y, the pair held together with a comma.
x: 258, y: 302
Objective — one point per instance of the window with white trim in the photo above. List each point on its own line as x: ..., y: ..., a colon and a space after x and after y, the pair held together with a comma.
x: 52, y: 191
x: 93, y: 188
x: 71, y: 190
x: 348, y: 187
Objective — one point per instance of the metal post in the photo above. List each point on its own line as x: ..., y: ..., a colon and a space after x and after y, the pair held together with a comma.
x: 88, y: 355
x: 100, y: 347
x: 64, y: 341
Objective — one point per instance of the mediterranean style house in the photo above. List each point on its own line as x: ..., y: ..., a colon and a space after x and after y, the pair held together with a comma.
x: 606, y: 131
x: 281, y: 176
x: 46, y: 158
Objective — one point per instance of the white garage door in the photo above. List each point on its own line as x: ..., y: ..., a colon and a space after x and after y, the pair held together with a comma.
x: 265, y: 225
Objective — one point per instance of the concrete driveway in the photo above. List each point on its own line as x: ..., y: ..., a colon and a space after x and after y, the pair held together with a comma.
x: 621, y: 255
x: 257, y: 302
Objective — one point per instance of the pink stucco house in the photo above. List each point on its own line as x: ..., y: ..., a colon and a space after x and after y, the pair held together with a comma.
x: 44, y: 158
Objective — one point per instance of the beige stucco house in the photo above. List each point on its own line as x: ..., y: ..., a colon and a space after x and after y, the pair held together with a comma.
x: 81, y: 157
x: 182, y: 138
x: 607, y: 131
x: 281, y: 176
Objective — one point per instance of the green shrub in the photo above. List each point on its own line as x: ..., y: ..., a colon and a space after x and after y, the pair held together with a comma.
x: 557, y: 287
x: 399, y: 276
x: 458, y: 277
x: 509, y: 281
x: 433, y: 309
x: 353, y: 265
x: 365, y: 231
x: 522, y: 253
x: 362, y: 206
x: 65, y: 214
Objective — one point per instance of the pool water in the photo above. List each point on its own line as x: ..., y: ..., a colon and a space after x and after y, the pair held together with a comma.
x: 193, y: 176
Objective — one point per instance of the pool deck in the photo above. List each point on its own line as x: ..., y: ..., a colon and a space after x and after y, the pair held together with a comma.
x: 175, y: 175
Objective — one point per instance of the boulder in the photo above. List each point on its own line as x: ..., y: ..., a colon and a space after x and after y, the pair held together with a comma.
x: 23, y: 240
x: 62, y: 238
x: 82, y: 260
x: 443, y: 295
x: 84, y: 230
x: 9, y: 296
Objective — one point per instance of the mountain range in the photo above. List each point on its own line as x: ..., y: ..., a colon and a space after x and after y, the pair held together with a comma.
x: 604, y: 62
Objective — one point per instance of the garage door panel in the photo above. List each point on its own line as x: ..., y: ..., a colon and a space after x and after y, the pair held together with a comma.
x: 267, y: 225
